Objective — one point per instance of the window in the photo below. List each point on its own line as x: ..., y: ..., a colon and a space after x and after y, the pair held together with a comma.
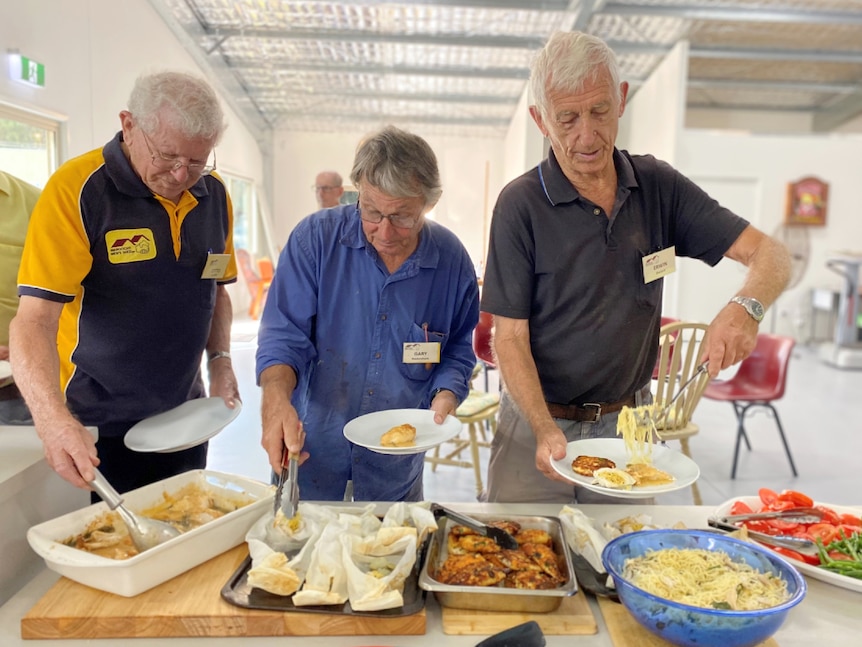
x: 28, y: 145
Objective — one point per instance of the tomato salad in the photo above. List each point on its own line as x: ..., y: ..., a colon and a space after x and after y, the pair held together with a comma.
x: 838, y: 536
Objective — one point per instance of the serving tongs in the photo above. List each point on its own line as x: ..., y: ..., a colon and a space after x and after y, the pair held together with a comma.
x: 287, y: 479
x: 648, y: 418
x: 802, y: 546
x: 791, y: 515
x: 503, y: 538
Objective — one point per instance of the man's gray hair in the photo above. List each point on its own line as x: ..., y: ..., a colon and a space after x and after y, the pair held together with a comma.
x: 566, y: 61
x: 398, y: 163
x: 184, y: 101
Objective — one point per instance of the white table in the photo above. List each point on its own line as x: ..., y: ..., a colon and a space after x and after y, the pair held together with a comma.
x: 827, y: 616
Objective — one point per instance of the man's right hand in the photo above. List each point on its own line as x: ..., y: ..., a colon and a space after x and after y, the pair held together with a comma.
x: 70, y: 450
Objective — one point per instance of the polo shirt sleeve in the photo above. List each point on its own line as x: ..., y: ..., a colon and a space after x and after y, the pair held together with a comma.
x: 56, y: 255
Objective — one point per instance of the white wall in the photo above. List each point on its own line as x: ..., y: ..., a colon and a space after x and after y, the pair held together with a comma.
x: 93, y: 50
x: 466, y: 166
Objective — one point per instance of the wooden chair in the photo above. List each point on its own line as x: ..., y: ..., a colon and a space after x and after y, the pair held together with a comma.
x: 760, y: 381
x: 258, y: 281
x: 680, y: 347
x: 477, y: 410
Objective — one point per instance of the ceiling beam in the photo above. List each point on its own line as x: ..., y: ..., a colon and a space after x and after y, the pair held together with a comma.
x: 738, y: 14
x: 387, y: 96
x: 524, y: 5
x: 383, y: 118
x: 780, y: 86
x: 358, y: 36
x: 341, y: 68
x: 807, y: 55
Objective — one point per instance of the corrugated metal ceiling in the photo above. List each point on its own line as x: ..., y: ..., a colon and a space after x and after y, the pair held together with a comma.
x: 459, y: 66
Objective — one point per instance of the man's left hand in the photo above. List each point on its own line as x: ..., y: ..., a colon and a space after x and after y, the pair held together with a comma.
x: 443, y: 404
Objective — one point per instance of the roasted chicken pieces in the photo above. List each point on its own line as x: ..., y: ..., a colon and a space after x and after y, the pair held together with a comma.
x: 475, y: 560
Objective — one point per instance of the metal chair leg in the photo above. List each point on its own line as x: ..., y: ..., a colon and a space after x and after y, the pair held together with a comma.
x: 783, y: 439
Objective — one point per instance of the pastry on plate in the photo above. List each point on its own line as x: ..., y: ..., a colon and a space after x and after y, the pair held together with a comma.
x: 400, y: 436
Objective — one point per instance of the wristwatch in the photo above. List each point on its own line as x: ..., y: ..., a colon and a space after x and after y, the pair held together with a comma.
x: 752, y: 306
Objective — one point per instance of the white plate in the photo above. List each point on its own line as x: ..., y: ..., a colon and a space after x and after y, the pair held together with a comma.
x: 678, y: 465
x: 366, y: 430
x: 5, y: 369
x: 183, y: 427
x: 814, y: 572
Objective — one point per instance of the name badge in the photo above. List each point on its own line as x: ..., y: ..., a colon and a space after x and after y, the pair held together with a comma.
x: 426, y: 352
x: 216, y: 266
x: 659, y: 264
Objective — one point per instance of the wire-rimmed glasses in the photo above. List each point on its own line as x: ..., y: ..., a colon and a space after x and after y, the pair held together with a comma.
x: 396, y: 220
x: 172, y: 163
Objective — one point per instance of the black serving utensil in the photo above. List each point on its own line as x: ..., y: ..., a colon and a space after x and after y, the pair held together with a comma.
x: 590, y: 579
x: 503, y: 538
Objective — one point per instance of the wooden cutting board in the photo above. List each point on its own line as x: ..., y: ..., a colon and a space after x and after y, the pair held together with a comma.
x: 625, y: 631
x: 573, y: 616
x: 189, y: 605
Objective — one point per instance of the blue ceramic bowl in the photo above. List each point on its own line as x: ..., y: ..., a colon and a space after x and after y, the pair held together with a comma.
x: 684, y: 625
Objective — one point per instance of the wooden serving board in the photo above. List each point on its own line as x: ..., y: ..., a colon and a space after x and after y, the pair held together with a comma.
x: 573, y: 616
x: 190, y: 605
x: 625, y: 631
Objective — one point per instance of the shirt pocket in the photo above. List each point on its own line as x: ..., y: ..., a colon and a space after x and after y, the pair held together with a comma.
x: 419, y: 372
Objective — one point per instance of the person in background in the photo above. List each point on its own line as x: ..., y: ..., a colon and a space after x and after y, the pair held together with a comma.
x: 574, y: 274
x: 328, y: 189
x: 122, y: 286
x: 17, y: 199
x: 356, y: 288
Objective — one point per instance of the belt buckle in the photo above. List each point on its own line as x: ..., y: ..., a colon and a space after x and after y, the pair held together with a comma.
x: 598, y: 408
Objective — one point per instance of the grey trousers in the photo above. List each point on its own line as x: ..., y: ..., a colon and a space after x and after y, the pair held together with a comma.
x: 512, y: 473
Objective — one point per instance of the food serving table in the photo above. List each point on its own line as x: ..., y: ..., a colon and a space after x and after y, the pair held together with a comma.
x: 828, y: 615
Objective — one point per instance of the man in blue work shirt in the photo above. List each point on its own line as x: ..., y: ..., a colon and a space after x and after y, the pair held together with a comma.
x: 355, y: 284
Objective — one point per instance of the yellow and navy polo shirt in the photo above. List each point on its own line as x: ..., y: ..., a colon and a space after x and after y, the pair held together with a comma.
x: 127, y: 264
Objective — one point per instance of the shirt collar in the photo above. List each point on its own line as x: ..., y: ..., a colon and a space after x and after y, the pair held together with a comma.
x: 558, y: 189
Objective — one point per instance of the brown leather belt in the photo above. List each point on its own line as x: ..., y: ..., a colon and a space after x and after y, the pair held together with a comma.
x: 9, y: 392
x: 587, y: 412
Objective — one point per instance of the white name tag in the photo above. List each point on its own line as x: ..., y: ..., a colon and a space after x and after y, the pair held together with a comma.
x: 659, y: 264
x: 425, y: 352
x: 216, y: 266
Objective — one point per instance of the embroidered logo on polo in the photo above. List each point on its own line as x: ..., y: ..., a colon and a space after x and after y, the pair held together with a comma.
x: 130, y: 245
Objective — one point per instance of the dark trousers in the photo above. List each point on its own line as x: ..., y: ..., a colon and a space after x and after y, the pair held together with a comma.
x: 127, y: 470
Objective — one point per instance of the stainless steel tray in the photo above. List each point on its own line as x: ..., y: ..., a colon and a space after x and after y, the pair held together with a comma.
x: 498, y: 598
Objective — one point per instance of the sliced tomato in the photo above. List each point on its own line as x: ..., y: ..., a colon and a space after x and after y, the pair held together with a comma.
x: 767, y: 496
x: 826, y: 532
x: 836, y: 555
x: 782, y: 527
x: 848, y: 531
x: 850, y: 520
x: 760, y: 525
x: 829, y: 515
x: 740, y: 507
x: 799, y: 557
x: 796, y: 498
x: 778, y: 504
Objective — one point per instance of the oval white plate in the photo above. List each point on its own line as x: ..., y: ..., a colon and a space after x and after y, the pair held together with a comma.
x: 815, y: 572
x: 183, y: 427
x: 5, y: 369
x: 366, y: 430
x: 678, y: 465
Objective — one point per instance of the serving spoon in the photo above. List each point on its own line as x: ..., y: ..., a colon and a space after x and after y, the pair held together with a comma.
x: 145, y: 533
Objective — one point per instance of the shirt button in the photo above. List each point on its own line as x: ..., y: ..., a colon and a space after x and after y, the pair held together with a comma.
x: 382, y: 317
x: 376, y: 355
x: 597, y: 211
x: 370, y: 391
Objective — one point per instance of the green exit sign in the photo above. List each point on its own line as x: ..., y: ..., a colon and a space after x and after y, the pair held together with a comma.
x: 27, y: 70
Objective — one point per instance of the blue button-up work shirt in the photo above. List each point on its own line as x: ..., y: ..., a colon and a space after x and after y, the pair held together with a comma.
x: 337, y: 316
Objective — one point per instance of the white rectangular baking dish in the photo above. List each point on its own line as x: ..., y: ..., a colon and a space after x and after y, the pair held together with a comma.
x: 137, y: 574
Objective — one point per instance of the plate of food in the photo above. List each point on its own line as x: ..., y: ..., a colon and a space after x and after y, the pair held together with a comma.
x: 603, y: 465
x: 400, y: 431
x: 834, y: 515
x: 183, y: 427
x: 5, y: 369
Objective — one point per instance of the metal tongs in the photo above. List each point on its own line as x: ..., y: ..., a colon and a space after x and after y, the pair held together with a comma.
x: 503, y: 538
x: 647, y: 417
x: 287, y: 479
x: 800, y: 545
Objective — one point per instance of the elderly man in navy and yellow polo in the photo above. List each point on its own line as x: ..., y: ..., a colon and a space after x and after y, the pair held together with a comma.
x: 122, y: 286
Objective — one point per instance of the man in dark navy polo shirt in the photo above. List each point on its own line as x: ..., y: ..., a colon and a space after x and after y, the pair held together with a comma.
x: 574, y: 274
x: 121, y: 286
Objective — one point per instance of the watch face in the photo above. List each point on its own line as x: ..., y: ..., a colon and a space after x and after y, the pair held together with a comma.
x: 756, y: 308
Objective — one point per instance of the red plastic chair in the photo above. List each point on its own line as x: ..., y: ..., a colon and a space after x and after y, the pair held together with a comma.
x: 258, y: 286
x: 482, y: 343
x: 759, y: 382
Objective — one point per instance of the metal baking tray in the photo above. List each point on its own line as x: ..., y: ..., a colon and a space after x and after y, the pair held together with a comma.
x: 498, y: 598
x: 238, y: 592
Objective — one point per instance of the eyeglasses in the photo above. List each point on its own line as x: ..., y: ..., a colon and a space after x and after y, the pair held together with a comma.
x: 172, y: 163
x: 324, y: 188
x: 396, y: 220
